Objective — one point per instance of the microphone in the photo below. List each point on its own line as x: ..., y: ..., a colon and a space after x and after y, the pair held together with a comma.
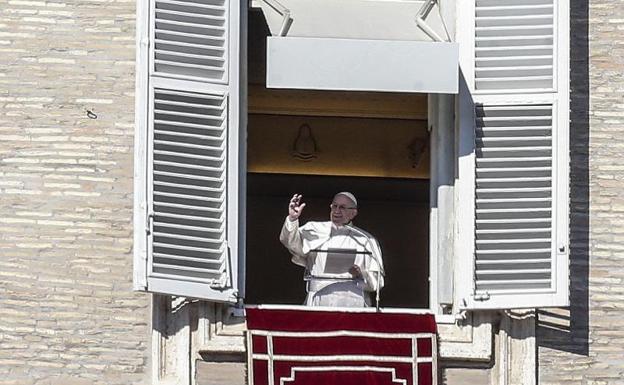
x: 368, y: 237
x: 377, y: 261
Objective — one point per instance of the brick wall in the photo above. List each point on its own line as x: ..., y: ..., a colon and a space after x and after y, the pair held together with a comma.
x: 68, y: 315
x: 585, y: 345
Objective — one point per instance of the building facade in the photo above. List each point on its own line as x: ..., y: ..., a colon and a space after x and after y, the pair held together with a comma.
x: 69, y: 313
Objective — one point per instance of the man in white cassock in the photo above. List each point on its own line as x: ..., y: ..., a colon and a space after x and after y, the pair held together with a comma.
x: 343, y: 263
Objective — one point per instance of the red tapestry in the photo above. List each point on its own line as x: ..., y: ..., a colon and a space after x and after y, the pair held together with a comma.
x: 305, y: 346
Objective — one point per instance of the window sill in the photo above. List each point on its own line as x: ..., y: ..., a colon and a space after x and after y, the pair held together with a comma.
x: 470, y: 340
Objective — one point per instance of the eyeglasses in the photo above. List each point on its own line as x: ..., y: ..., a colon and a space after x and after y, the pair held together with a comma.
x: 335, y: 207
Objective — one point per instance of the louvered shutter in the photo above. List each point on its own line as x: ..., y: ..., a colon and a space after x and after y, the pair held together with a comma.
x: 192, y: 125
x: 513, y: 164
x: 190, y: 39
x: 514, y: 47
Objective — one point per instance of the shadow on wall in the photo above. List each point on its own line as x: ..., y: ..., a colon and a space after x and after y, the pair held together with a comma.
x: 568, y: 329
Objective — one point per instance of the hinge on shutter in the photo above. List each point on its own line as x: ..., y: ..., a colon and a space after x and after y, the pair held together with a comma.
x: 226, y: 277
x: 219, y: 284
x: 238, y: 310
x: 149, y: 224
x: 482, y: 297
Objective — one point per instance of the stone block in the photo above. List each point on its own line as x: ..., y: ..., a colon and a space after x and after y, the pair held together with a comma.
x: 462, y: 376
x: 221, y: 373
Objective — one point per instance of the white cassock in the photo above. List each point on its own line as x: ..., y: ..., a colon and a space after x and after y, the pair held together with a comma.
x: 315, y: 242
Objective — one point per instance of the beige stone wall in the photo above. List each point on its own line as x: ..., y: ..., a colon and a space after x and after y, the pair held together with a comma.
x: 67, y: 311
x: 585, y: 345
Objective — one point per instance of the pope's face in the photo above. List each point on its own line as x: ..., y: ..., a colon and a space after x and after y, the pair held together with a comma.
x: 342, y: 210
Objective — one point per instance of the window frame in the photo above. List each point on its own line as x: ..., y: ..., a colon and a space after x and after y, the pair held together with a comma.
x: 463, y: 194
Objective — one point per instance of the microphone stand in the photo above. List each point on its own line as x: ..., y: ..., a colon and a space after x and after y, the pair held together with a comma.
x: 377, y: 293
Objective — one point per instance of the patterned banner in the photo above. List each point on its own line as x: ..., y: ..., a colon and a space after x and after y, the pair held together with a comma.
x: 310, y: 347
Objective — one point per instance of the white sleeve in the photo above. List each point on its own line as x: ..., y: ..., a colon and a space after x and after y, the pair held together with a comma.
x: 291, y: 238
x: 373, y: 269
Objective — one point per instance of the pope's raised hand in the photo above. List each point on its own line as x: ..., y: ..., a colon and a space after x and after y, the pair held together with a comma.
x: 295, y: 207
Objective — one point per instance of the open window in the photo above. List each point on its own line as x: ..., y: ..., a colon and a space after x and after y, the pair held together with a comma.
x: 317, y: 143
x: 383, y: 161
x: 212, y: 181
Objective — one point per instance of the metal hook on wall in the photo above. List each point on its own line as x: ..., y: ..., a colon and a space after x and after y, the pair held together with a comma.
x: 91, y: 114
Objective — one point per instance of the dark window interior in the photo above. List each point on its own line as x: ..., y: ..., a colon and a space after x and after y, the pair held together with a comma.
x: 395, y: 210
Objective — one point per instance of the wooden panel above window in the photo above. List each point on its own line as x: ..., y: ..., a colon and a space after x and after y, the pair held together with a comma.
x: 307, y: 145
x: 337, y: 103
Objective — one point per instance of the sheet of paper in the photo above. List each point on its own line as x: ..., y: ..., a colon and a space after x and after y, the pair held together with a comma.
x: 339, y: 261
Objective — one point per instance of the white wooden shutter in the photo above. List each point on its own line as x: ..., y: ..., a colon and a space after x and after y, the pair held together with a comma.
x: 188, y: 129
x: 513, y: 166
x: 514, y: 47
x: 190, y: 39
x: 513, y: 198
